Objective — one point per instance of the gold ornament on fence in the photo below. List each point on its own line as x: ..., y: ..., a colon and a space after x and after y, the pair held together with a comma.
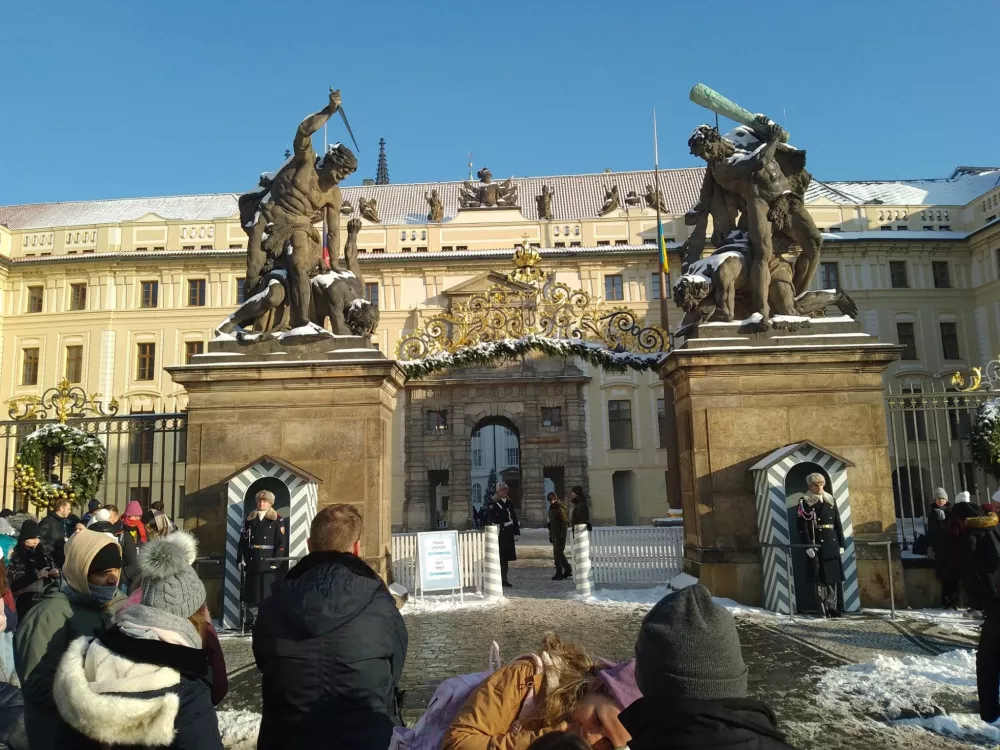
x: 64, y: 402
x: 530, y: 307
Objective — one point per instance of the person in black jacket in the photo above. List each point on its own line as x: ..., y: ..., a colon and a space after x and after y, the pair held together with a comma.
x: 31, y: 567
x: 330, y: 646
x: 940, y: 548
x: 558, y: 520
x: 502, y: 514
x: 690, y: 670
x: 264, y: 537
x: 975, y: 552
x: 52, y: 530
x: 579, y: 510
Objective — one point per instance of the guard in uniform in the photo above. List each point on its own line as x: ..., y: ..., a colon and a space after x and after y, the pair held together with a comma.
x: 819, y: 524
x: 263, y: 538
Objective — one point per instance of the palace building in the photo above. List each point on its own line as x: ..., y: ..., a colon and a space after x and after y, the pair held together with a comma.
x: 108, y: 293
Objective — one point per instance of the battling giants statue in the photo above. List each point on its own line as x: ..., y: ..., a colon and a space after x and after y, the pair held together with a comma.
x: 289, y: 284
x: 755, y: 183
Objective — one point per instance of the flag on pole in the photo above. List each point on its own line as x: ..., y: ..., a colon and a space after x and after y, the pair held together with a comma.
x: 661, y: 243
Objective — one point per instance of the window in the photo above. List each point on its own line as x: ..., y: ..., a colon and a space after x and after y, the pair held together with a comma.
x: 145, y: 361
x: 829, y: 275
x: 621, y: 242
x: 559, y: 244
x: 552, y: 416
x: 447, y: 248
x: 77, y: 296
x: 192, y: 349
x: 928, y: 228
x: 142, y: 249
x: 906, y: 338
x: 897, y: 274
x: 902, y: 228
x: 29, y: 367
x: 421, y: 249
x: 140, y: 495
x: 513, y: 455
x: 661, y: 421
x: 574, y: 244
x: 886, y: 228
x: 205, y: 247
x: 620, y: 424
x: 241, y: 293
x: 959, y: 419
x: 188, y: 247
x: 613, y: 288
x: 944, y: 228
x: 477, y: 448
x: 371, y: 292
x: 949, y: 340
x: 477, y: 494
x: 941, y: 273
x: 74, y: 364
x: 654, y: 286
x: 150, y: 294
x: 236, y: 247
x: 196, y: 293
x: 36, y: 295
x: 141, y: 442
x: 835, y: 229
x: 461, y: 248
x: 155, y: 248
x: 437, y: 421
x: 604, y: 243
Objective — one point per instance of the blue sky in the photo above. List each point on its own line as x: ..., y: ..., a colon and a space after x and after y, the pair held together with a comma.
x: 117, y: 99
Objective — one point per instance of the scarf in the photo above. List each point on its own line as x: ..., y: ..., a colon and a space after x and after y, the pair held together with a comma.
x: 137, y: 526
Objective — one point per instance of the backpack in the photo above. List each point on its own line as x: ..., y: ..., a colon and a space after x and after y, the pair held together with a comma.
x: 447, y: 701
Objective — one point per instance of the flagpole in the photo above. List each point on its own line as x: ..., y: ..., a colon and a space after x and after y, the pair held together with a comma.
x: 326, y: 250
x: 660, y: 245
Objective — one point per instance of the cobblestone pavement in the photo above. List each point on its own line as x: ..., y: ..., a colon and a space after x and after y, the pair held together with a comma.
x: 785, y: 659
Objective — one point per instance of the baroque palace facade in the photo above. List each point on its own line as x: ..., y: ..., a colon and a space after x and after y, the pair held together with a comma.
x: 108, y: 293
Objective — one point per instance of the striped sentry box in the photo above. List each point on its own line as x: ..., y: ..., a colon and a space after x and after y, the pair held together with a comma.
x: 772, y: 521
x: 302, y: 490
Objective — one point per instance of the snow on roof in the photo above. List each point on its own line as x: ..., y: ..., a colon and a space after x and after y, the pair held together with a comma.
x: 86, y: 213
x: 963, y: 186
x: 574, y: 197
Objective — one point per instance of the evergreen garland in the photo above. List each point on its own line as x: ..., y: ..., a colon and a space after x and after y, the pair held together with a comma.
x: 489, y: 353
x: 985, y: 437
x: 85, y: 452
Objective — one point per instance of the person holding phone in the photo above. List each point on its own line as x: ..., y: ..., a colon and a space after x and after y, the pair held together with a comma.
x: 31, y: 567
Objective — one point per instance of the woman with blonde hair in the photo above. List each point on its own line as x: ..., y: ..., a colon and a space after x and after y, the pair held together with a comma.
x: 560, y: 688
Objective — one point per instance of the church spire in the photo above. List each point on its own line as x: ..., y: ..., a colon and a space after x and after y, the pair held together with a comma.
x: 382, y: 173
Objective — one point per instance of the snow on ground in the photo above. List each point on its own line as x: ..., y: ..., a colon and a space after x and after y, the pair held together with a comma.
x: 417, y: 606
x: 644, y: 599
x: 897, y: 688
x: 239, y: 729
x: 956, y: 622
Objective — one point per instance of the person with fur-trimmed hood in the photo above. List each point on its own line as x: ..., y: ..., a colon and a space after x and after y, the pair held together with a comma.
x: 75, y: 606
x: 145, y: 681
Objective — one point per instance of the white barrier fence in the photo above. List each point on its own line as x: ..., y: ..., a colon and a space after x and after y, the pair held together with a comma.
x: 472, y: 550
x: 636, y: 554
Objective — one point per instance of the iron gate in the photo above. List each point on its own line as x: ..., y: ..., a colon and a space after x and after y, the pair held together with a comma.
x: 929, y: 423
x: 146, y: 454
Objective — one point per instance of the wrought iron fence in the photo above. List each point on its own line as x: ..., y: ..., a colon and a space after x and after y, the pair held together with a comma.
x: 146, y: 454
x: 929, y: 422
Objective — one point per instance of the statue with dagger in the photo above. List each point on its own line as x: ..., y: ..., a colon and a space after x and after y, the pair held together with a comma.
x: 279, y: 217
x: 754, y: 185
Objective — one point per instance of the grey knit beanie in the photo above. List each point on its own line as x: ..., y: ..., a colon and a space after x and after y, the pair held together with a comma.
x: 688, y: 647
x: 168, y: 581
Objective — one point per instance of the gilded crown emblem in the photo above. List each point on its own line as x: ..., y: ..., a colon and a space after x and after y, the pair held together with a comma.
x: 527, y: 264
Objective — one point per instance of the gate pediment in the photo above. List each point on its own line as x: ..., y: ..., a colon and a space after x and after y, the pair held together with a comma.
x: 481, y: 284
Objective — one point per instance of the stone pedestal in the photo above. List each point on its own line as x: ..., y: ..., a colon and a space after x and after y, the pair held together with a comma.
x: 737, y: 396
x: 324, y: 406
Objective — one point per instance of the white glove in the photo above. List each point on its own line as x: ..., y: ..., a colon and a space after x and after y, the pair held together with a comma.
x: 841, y: 550
x: 811, y: 552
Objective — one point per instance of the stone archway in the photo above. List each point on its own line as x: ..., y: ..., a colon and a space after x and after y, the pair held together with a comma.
x: 495, y: 450
x: 541, y: 399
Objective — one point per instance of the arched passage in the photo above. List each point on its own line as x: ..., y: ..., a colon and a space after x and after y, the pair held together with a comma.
x: 495, y: 447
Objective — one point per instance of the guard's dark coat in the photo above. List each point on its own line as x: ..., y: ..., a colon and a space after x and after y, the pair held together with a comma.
x: 502, y: 513
x: 827, y: 532
x: 261, y: 540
